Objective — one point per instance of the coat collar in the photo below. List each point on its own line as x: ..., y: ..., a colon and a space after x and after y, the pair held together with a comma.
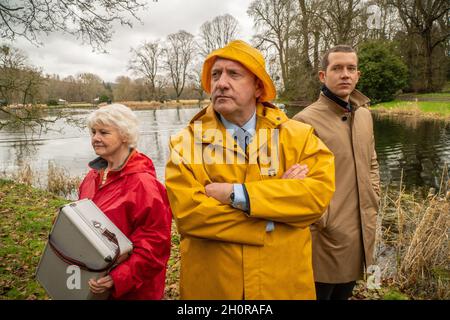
x: 268, y: 116
x: 249, y: 126
x: 100, y: 164
x: 357, y: 100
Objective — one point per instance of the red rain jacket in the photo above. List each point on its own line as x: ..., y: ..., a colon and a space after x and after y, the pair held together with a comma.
x: 137, y: 203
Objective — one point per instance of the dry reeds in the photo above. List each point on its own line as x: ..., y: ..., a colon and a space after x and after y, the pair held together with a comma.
x: 60, y: 182
x: 410, y: 112
x: 24, y: 174
x: 426, y: 263
x: 418, y: 230
x: 427, y: 253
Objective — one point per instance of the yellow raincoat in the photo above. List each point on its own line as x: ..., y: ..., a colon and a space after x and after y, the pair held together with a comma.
x: 225, y: 253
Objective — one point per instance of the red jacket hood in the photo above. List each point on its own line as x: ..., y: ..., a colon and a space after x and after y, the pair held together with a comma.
x: 136, y: 163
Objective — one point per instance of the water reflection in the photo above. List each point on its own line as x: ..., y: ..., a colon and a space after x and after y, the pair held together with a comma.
x: 68, y: 144
x: 420, y: 148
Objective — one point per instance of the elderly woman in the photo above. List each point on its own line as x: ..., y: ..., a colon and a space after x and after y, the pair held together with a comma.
x: 123, y: 184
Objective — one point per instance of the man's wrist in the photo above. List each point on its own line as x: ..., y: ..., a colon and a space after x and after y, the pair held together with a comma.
x: 239, y: 201
x: 231, y: 197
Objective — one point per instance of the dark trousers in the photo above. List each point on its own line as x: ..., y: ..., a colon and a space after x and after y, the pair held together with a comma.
x: 334, y: 291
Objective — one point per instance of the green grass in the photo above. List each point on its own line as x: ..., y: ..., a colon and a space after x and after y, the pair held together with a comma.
x: 26, y: 216
x: 438, y: 107
x: 393, y: 294
x: 433, y: 95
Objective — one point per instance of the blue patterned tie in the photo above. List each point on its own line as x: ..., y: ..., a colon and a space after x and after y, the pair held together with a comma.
x: 243, y: 138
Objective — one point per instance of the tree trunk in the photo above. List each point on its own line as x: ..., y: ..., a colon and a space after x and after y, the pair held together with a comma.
x: 429, y: 62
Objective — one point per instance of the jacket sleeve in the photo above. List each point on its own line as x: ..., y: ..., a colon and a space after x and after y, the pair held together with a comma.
x: 297, y: 202
x: 198, y: 215
x: 375, y: 171
x: 150, y: 237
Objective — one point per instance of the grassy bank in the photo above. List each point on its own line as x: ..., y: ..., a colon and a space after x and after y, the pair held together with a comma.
x: 437, y: 95
x: 427, y: 109
x: 412, y: 244
x: 26, y: 215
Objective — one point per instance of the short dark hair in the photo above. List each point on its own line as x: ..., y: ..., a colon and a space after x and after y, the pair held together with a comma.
x: 339, y: 48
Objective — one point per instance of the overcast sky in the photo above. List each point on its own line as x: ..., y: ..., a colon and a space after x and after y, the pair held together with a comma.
x: 64, y: 55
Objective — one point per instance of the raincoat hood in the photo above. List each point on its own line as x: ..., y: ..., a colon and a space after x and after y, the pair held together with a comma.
x: 140, y: 163
x: 249, y: 57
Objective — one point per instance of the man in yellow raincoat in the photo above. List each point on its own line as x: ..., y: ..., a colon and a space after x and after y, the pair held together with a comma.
x: 244, y: 183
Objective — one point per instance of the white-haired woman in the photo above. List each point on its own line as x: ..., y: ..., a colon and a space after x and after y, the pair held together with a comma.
x: 122, y: 183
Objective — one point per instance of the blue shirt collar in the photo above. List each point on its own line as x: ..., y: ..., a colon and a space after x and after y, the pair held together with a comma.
x: 249, y: 126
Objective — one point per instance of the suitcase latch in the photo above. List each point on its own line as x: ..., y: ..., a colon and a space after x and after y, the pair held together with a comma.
x: 97, y: 224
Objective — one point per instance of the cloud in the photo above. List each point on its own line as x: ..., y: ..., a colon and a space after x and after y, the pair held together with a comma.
x: 65, y: 55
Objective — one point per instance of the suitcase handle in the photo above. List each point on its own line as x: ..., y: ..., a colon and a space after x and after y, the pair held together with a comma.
x: 108, y: 234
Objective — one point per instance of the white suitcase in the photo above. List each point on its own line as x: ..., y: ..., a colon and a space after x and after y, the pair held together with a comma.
x: 83, y: 244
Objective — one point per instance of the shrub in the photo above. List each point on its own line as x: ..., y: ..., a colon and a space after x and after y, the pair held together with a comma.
x: 104, y: 98
x: 52, y: 102
x: 383, y: 73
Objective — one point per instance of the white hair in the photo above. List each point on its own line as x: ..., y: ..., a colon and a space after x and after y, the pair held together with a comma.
x: 118, y: 116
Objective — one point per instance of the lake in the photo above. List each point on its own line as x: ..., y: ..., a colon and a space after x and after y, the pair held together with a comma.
x: 421, y: 148
x: 418, y: 147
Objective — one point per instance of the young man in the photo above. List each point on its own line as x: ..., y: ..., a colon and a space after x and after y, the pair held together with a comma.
x: 344, y: 237
x: 240, y: 191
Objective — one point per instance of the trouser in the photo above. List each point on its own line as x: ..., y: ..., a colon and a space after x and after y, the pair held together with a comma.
x: 334, y: 291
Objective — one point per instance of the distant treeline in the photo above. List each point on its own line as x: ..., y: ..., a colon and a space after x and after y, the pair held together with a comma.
x: 405, y: 44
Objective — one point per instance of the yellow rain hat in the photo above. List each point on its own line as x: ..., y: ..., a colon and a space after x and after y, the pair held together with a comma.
x: 249, y: 57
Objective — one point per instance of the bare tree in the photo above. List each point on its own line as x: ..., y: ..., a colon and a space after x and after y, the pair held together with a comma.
x: 20, y: 83
x: 179, y: 54
x: 124, y: 89
x: 91, y: 86
x: 161, y: 85
x: 345, y: 20
x: 274, y: 21
x: 384, y: 20
x: 90, y: 20
x: 429, y: 19
x: 196, y: 79
x: 309, y: 30
x: 217, y: 33
x: 12, y: 61
x: 145, y: 63
x: 20, y: 87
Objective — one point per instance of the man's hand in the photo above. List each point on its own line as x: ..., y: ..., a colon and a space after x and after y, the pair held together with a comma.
x: 101, y: 285
x: 297, y: 171
x: 219, y: 191
x: 222, y: 191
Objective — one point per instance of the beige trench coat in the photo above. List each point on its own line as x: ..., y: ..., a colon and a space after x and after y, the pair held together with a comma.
x: 344, y: 238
